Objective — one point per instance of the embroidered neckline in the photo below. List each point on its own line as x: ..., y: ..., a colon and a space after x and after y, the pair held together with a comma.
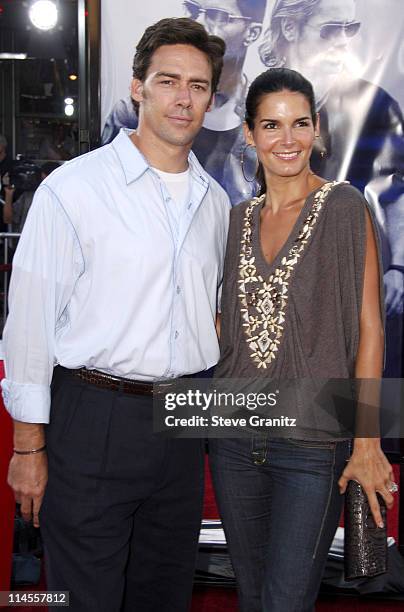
x: 263, y: 302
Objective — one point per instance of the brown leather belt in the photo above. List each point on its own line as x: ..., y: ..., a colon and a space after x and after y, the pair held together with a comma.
x: 116, y: 383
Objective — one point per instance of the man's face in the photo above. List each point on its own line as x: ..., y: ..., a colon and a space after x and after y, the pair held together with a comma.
x: 222, y: 18
x: 3, y: 152
x: 175, y: 94
x: 322, y: 43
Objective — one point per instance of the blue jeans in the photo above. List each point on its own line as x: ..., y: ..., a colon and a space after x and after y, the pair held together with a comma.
x: 280, y: 506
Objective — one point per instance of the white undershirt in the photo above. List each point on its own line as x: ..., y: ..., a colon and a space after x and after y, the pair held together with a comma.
x: 177, y: 185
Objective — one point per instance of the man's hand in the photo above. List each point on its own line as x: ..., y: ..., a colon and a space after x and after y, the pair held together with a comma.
x: 394, y: 289
x: 5, y: 179
x: 27, y: 476
x: 9, y: 190
x: 8, y: 202
x: 6, y: 182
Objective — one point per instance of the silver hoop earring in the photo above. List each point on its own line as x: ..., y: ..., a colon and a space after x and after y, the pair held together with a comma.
x: 242, y: 160
x: 320, y: 146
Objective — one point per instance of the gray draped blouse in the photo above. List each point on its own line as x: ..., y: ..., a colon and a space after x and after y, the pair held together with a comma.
x: 298, y: 317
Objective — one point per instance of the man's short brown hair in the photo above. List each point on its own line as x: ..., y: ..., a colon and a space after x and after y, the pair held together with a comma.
x: 178, y: 31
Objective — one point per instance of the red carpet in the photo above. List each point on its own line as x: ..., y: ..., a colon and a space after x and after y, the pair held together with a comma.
x: 225, y: 600
x: 6, y: 497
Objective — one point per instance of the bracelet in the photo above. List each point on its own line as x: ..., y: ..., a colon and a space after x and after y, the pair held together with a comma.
x: 396, y: 267
x: 30, y: 452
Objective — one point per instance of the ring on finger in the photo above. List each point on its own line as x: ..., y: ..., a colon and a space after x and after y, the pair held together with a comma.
x: 392, y: 487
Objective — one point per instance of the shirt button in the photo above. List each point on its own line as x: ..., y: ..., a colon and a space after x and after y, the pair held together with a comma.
x: 178, y: 289
x: 176, y: 334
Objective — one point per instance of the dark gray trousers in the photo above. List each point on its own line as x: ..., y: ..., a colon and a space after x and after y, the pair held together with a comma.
x: 122, y: 508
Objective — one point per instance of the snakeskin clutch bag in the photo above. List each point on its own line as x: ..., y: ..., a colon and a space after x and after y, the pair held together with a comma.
x: 365, y: 545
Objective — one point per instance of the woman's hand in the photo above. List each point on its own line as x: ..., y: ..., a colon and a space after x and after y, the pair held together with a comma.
x: 369, y: 466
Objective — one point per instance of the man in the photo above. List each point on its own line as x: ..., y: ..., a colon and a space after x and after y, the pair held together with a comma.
x: 16, y: 212
x: 5, y: 168
x: 361, y: 128
x: 116, y: 280
x: 5, y: 161
x: 220, y: 143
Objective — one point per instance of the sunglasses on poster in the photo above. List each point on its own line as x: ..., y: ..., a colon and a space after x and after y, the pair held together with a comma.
x: 330, y: 31
x: 217, y: 15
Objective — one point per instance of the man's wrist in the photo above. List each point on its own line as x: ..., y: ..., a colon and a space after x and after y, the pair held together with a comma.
x: 28, y: 436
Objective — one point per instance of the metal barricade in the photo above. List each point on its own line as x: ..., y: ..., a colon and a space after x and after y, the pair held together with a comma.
x: 8, y: 240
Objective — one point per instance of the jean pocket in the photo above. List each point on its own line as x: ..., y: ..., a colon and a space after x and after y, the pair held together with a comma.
x: 322, y: 444
x: 259, y: 449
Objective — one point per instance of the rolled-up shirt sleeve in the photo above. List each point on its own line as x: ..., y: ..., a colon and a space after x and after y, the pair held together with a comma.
x: 46, y: 267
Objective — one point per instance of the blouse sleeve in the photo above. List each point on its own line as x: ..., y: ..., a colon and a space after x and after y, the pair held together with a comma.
x: 350, y: 223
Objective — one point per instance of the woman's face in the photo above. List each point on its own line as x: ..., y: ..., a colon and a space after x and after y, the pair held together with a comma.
x: 283, y: 133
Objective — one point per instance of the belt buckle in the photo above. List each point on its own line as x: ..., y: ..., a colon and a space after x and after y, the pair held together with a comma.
x: 161, y: 387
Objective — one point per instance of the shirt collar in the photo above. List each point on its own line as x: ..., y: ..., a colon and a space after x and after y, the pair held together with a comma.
x: 132, y: 161
x: 134, y: 164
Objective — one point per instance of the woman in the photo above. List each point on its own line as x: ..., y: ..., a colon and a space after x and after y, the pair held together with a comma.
x: 301, y: 299
x: 315, y: 37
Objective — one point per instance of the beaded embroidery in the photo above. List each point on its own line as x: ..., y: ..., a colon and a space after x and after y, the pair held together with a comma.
x: 263, y: 302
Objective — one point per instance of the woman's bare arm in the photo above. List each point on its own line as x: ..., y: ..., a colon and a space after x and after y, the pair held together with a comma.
x: 368, y: 464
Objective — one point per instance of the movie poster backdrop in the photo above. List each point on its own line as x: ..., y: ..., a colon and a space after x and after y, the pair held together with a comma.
x: 351, y: 50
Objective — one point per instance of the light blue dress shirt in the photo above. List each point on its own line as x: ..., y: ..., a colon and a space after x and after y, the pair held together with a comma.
x: 100, y: 281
